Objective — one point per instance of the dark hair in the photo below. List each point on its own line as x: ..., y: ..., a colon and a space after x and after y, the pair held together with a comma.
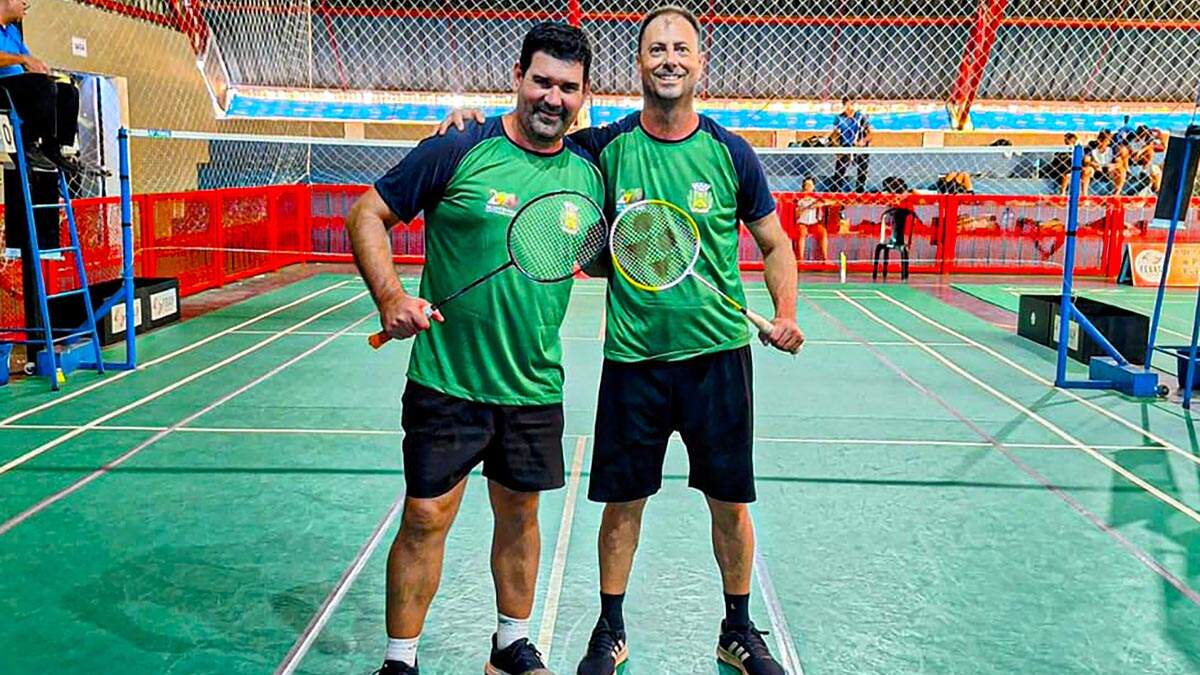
x: 1104, y: 135
x: 847, y: 99
x: 559, y: 40
x: 1069, y: 136
x: 667, y: 9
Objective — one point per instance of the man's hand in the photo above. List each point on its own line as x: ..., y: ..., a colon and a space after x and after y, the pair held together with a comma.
x: 36, y: 66
x: 457, y: 117
x: 403, y: 316
x: 785, y: 335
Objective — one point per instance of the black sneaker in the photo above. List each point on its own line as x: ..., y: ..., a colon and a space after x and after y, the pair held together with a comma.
x: 745, y: 650
x: 396, y: 668
x: 519, y: 658
x: 606, y: 651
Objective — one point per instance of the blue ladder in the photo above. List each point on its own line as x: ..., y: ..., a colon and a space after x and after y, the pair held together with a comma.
x: 48, y: 338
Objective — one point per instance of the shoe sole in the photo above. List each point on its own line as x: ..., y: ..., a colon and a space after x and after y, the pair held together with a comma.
x: 620, y: 660
x: 731, y: 661
x: 489, y: 669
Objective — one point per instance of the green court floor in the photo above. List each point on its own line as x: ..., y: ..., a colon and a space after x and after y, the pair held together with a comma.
x: 928, y: 503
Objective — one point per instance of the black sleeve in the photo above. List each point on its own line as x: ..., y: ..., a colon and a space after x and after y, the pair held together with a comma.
x: 420, y: 179
x: 754, y: 199
x: 595, y: 139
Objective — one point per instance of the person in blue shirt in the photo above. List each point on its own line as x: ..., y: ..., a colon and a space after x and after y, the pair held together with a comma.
x: 851, y: 129
x: 48, y: 107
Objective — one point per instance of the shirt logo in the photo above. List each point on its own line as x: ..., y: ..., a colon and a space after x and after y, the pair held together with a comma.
x: 569, y: 218
x: 503, y: 203
x: 700, y: 198
x: 627, y: 197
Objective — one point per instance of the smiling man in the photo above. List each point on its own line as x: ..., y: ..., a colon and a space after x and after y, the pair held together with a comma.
x: 485, y: 385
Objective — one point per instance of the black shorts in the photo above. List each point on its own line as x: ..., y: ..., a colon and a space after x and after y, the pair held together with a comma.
x: 707, y: 399
x: 445, y: 437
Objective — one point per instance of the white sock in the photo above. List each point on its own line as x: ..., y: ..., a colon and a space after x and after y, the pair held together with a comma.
x: 403, y: 650
x: 509, y: 630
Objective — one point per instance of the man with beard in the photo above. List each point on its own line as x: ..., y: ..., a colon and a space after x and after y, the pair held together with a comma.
x: 485, y: 385
x: 679, y: 360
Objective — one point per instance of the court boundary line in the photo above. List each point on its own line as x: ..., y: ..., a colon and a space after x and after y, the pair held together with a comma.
x: 797, y: 440
x: 325, y: 611
x: 561, y: 546
x: 784, y: 639
x: 12, y: 464
x: 1075, y: 505
x: 306, y: 639
x: 1144, y: 433
x: 1045, y: 423
x: 116, y: 377
x: 46, y: 502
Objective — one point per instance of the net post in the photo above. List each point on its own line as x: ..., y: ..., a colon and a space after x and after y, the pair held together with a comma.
x: 127, y: 246
x: 1176, y: 211
x: 1067, y: 307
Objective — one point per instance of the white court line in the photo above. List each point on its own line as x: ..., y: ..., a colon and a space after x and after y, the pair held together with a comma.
x: 784, y: 641
x: 318, y: 333
x: 166, y: 357
x: 9, y: 466
x: 1048, y: 425
x: 78, y: 485
x: 1145, y: 433
x: 558, y: 569
x: 911, y: 442
x: 317, y: 624
x: 319, y: 619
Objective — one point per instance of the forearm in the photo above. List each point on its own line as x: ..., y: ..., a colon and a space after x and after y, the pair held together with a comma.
x: 373, y: 255
x: 7, y: 59
x: 779, y: 270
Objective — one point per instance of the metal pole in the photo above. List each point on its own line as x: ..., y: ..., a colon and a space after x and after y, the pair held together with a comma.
x: 1067, y: 307
x: 127, y: 248
x: 1166, y: 265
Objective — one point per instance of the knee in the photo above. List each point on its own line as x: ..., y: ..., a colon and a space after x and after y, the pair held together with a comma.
x: 729, y: 516
x: 622, y: 516
x: 518, y: 509
x: 424, y: 520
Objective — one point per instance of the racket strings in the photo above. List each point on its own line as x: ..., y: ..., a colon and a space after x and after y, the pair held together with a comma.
x: 654, y: 245
x: 555, y: 236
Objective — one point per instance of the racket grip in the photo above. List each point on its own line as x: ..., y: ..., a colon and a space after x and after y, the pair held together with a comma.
x: 760, y: 322
x: 378, y: 339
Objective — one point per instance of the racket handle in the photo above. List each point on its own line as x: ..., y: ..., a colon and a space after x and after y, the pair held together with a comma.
x: 760, y: 322
x: 381, y: 338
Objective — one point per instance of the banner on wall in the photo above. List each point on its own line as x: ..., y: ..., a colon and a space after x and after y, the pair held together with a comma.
x: 1142, y: 264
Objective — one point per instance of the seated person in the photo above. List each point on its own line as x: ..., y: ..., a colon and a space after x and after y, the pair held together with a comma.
x: 1058, y: 169
x: 1100, y: 159
x: 47, y: 105
x: 1145, y: 144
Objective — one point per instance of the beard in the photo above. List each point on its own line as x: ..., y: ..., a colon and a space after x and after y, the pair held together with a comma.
x: 547, y: 123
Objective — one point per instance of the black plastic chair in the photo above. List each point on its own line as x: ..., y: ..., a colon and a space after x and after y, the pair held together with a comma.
x: 900, y: 223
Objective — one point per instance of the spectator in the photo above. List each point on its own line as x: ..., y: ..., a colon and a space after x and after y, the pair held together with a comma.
x: 1058, y: 169
x: 1145, y: 144
x: 1099, y: 158
x: 851, y: 129
x: 811, y: 216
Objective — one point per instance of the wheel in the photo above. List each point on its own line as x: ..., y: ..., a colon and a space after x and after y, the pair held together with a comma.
x: 1163, y: 391
x: 29, y: 368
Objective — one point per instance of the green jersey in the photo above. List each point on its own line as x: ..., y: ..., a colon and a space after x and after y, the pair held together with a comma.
x: 715, y: 176
x: 500, y: 341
